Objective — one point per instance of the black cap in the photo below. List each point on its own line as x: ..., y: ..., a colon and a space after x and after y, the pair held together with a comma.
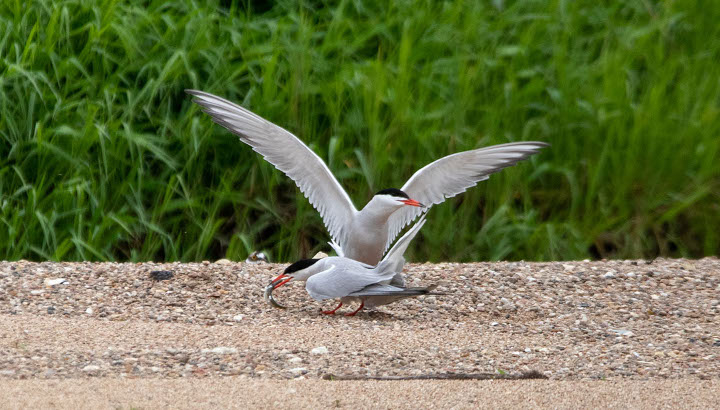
x: 300, y: 265
x: 393, y: 192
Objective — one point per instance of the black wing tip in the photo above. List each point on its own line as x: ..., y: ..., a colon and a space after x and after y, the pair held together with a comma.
x: 406, y: 292
x: 429, y: 291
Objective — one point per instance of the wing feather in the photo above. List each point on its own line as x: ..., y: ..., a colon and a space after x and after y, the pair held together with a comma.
x: 389, y: 290
x: 289, y: 155
x: 345, y: 276
x: 453, y: 175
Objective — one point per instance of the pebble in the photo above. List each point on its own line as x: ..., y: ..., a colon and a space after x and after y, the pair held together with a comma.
x: 53, y: 282
x: 159, y: 275
x: 91, y: 368
x: 220, y: 350
x: 569, y: 323
x: 297, y: 371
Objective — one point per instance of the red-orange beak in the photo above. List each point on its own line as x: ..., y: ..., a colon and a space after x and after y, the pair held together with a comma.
x: 280, y: 280
x: 412, y: 202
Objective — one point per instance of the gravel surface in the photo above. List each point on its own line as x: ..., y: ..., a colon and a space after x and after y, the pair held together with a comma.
x: 229, y: 392
x: 567, y: 320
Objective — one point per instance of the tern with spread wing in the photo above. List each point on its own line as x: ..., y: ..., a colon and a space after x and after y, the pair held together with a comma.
x: 340, y: 277
x: 362, y: 235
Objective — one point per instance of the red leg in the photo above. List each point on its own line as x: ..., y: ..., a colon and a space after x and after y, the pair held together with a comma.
x: 332, y: 312
x: 362, y: 304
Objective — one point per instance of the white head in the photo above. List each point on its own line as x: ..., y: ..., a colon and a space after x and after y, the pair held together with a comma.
x: 395, y: 198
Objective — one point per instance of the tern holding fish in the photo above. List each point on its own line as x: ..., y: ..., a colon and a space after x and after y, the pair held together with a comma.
x: 363, y: 235
x: 351, y: 280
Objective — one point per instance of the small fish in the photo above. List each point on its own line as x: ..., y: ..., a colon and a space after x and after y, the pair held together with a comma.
x: 269, y: 298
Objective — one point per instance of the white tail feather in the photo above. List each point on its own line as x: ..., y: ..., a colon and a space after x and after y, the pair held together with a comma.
x: 337, y: 248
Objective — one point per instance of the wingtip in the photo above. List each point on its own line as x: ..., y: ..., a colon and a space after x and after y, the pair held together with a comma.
x: 536, y: 144
x: 430, y: 290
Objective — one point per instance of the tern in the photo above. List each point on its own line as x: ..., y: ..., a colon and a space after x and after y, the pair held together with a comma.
x: 350, y: 280
x: 362, y: 235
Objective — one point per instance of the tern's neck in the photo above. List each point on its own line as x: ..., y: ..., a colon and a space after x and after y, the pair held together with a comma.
x: 378, y: 210
x: 311, y: 270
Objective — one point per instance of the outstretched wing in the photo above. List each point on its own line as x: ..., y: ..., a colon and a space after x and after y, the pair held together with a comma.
x: 454, y: 174
x: 288, y: 154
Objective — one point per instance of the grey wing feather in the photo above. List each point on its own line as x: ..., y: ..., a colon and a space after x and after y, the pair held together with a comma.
x: 344, y: 277
x: 394, y: 259
x: 288, y: 154
x: 389, y: 290
x: 395, y: 255
x: 453, y: 175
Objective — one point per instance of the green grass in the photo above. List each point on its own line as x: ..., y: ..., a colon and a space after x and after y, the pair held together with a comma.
x: 103, y: 156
